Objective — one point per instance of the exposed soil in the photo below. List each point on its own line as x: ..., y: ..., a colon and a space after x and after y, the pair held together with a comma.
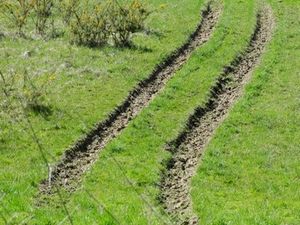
x: 79, y: 158
x: 190, y: 144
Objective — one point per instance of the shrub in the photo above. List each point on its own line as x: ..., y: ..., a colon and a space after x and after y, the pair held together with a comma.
x: 108, y: 21
x: 18, y: 12
x: 43, y: 10
x: 67, y: 9
x: 137, y: 14
x: 89, y: 27
x: 125, y: 20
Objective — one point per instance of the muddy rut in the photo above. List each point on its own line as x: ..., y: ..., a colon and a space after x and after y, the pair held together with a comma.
x: 79, y: 158
x: 190, y: 144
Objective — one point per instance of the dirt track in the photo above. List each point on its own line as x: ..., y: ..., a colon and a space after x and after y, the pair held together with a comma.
x: 78, y: 159
x: 190, y: 144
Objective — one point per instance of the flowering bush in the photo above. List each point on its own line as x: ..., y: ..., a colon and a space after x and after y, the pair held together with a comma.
x: 125, y: 20
x: 109, y: 20
x: 89, y: 27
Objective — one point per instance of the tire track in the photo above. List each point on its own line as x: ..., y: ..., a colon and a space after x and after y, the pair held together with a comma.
x: 188, y: 147
x: 79, y: 158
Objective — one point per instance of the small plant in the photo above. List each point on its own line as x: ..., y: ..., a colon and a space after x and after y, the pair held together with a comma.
x: 32, y: 92
x: 18, y: 11
x: 21, y: 88
x: 8, y: 104
x: 89, y: 27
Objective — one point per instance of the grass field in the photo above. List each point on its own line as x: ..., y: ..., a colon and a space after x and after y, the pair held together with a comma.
x: 89, y: 84
x: 140, y: 148
x: 250, y: 172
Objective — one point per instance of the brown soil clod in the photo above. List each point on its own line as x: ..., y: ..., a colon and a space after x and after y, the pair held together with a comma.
x: 188, y: 147
x: 78, y: 159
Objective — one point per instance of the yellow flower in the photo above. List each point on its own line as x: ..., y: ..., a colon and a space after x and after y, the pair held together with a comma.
x: 163, y: 6
x: 53, y: 77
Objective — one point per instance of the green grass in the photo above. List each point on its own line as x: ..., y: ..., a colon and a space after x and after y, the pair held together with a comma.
x: 140, y: 148
x: 251, y: 173
x: 80, y: 96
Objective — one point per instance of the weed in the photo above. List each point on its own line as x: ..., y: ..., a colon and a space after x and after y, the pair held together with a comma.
x: 21, y: 88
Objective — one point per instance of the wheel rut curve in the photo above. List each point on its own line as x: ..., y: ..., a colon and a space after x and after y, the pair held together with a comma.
x: 80, y: 157
x: 189, y: 146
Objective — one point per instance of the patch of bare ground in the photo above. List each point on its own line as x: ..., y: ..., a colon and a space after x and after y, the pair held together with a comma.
x: 78, y: 159
x: 189, y: 146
